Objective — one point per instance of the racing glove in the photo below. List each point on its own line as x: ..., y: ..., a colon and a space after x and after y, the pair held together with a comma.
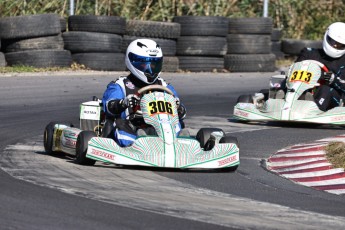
x: 130, y: 101
x: 328, y: 77
x: 181, y: 110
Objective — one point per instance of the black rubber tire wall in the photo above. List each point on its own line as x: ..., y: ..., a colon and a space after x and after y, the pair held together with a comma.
x: 101, y: 24
x: 40, y: 43
x: 249, y: 43
x: 40, y: 58
x: 153, y: 29
x: 2, y: 60
x: 168, y: 45
x: 250, y: 62
x: 202, y: 25
x: 250, y: 25
x: 101, y: 61
x: 83, y: 42
x: 170, y: 64
x: 201, y: 63
x: 201, y: 46
x: 29, y: 26
x: 294, y: 46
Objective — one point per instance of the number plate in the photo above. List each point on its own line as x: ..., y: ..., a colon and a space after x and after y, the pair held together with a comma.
x: 160, y: 107
x: 301, y: 75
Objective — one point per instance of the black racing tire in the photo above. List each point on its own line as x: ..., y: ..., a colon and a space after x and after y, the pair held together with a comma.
x: 101, y: 24
x: 29, y: 26
x: 201, y: 63
x: 2, y: 60
x: 101, y: 61
x: 168, y: 45
x: 230, y: 140
x: 295, y: 46
x: 170, y: 64
x: 81, y: 148
x: 153, y: 29
x: 248, y: 44
x: 49, y: 42
x: 204, y: 134
x: 48, y: 138
x: 245, y: 99
x: 250, y: 62
x: 262, y: 25
x: 201, y: 46
x: 40, y: 58
x: 203, y: 25
x: 63, y: 23
x: 88, y: 42
x: 277, y: 34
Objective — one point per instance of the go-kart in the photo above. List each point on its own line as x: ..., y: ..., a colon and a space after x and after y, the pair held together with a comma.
x: 296, y: 104
x: 209, y: 149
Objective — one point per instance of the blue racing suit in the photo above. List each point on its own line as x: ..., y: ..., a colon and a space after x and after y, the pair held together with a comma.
x: 125, y: 131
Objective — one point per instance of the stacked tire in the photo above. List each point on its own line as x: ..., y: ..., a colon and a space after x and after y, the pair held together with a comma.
x: 2, y: 58
x: 202, y: 44
x: 249, y: 45
x: 293, y: 47
x: 34, y: 40
x: 276, y: 42
x: 95, y: 41
x: 164, y: 33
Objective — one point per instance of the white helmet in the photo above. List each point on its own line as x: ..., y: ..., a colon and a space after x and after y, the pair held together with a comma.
x: 144, y: 58
x: 334, y: 40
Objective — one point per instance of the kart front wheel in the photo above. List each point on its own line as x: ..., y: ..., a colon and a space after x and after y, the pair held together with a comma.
x: 245, y: 99
x: 204, y: 134
x: 48, y: 138
x: 81, y: 148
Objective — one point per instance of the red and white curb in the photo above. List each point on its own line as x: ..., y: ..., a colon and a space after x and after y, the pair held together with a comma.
x: 306, y: 164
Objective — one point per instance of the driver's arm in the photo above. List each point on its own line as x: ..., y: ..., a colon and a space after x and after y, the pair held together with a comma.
x: 111, y: 100
x: 339, y: 81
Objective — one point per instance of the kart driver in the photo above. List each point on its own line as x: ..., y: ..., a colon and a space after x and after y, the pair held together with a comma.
x: 144, y: 59
x: 329, y: 95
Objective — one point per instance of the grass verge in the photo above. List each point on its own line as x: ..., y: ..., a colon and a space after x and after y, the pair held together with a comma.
x: 335, y: 154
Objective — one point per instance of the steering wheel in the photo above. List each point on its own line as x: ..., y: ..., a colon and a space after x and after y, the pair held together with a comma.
x: 158, y: 88
x: 321, y: 65
x: 136, y: 112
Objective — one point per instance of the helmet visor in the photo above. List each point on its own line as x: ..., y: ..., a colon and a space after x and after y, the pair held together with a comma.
x: 151, y: 66
x: 335, y: 44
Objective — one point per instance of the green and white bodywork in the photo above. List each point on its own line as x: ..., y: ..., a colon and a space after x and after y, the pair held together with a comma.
x: 164, y: 149
x: 302, y: 77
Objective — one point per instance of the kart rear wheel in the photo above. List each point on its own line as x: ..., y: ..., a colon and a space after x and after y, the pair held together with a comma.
x: 48, y: 138
x: 81, y: 148
x: 204, y: 134
x: 230, y: 140
x: 245, y: 99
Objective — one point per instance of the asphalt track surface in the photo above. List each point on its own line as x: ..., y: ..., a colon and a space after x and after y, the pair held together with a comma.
x: 38, y: 191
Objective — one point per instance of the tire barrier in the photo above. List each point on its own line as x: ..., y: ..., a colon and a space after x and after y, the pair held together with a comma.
x: 34, y: 40
x: 95, y: 41
x: 249, y: 45
x: 293, y: 47
x: 202, y: 43
x: 276, y: 43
